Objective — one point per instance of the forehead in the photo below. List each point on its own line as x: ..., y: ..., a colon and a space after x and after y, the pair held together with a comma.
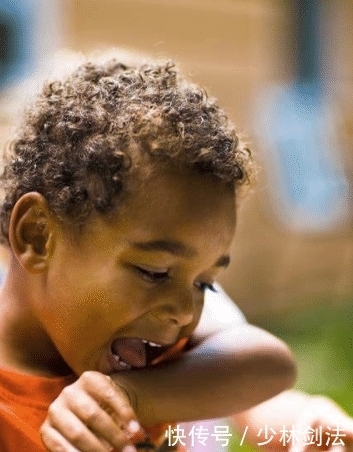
x: 181, y: 213
x: 181, y: 199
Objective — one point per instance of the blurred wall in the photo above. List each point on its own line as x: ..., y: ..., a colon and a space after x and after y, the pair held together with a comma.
x: 236, y: 48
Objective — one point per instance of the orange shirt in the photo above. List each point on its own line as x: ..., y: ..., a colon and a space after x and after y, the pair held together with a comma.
x: 24, y: 402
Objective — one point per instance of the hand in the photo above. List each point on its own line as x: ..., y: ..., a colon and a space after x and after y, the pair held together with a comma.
x: 324, y: 418
x: 92, y: 414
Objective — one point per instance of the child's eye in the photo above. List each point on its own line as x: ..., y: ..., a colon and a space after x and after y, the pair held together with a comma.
x: 202, y: 286
x: 152, y: 276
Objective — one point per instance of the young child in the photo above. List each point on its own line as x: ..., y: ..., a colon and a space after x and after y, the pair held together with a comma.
x: 119, y: 211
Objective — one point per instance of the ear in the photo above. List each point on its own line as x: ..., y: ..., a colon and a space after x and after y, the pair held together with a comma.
x: 31, y: 232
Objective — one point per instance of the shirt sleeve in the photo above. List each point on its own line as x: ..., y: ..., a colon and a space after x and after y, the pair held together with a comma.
x: 219, y: 309
x: 227, y: 307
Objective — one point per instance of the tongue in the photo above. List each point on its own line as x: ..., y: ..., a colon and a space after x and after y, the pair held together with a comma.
x: 131, y: 350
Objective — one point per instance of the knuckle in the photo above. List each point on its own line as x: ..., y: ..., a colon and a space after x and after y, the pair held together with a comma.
x: 50, y: 444
x: 89, y: 378
x: 86, y: 376
x: 126, y: 412
x: 68, y: 393
x: 75, y: 434
x: 89, y: 375
x: 53, y: 410
x: 110, y: 393
x: 90, y: 414
x: 109, y: 389
x: 43, y: 428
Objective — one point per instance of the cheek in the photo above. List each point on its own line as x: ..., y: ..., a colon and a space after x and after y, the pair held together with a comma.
x: 93, y: 309
x: 198, y: 306
x: 78, y: 318
x: 84, y: 303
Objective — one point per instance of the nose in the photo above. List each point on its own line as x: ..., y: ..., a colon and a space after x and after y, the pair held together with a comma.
x: 177, y: 308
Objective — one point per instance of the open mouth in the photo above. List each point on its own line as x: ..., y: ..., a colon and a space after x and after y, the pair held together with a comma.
x: 135, y: 353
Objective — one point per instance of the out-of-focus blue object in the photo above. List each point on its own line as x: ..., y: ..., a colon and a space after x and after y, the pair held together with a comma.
x: 311, y: 193
x: 310, y: 188
x: 17, y: 31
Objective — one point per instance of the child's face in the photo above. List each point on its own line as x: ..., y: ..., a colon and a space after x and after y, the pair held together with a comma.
x: 138, y: 276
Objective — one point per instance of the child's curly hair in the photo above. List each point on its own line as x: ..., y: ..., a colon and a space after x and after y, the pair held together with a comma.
x: 83, y: 135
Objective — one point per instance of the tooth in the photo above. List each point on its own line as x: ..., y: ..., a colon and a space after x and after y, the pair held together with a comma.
x: 153, y: 344
x: 121, y: 362
x: 144, y: 341
x: 124, y: 364
x: 116, y: 357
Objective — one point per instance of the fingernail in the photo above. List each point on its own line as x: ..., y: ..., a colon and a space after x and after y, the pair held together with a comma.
x: 133, y: 427
x: 128, y: 448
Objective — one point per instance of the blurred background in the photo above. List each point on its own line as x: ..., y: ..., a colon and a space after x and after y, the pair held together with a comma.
x: 283, y: 70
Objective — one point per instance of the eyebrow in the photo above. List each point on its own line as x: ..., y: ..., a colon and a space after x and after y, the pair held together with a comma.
x: 177, y: 249
x: 223, y: 261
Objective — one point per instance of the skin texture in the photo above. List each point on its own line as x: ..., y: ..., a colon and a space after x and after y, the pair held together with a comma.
x: 66, y: 298
x: 319, y: 416
x: 89, y: 292
x: 104, y: 286
x: 97, y: 282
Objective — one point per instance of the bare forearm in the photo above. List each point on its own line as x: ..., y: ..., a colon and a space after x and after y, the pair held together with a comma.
x: 215, y: 379
x: 311, y: 418
x: 281, y: 410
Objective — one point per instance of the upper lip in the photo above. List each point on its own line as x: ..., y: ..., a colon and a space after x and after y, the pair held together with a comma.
x: 163, y: 342
x: 152, y: 342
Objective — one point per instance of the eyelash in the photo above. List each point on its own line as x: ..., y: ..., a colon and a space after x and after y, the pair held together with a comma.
x: 151, y: 276
x: 202, y: 286
x: 156, y: 277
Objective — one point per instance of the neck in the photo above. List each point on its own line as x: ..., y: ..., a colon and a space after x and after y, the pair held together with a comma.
x: 24, y: 344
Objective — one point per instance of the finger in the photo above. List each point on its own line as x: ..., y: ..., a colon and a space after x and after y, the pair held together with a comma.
x: 112, y: 399
x: 76, y: 433
x: 98, y: 420
x: 86, y: 424
x: 54, y: 441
